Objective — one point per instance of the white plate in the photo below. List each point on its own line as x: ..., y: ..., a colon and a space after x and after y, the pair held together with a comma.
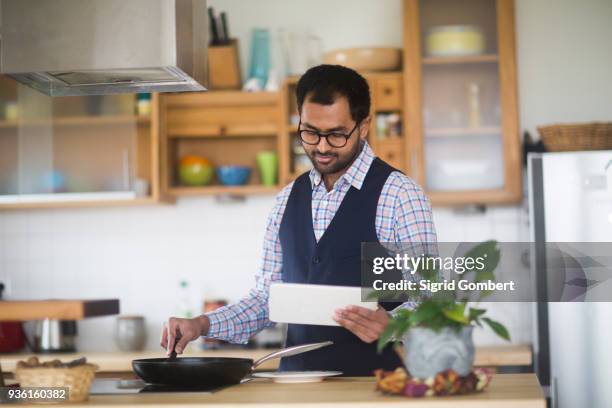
x: 296, y: 376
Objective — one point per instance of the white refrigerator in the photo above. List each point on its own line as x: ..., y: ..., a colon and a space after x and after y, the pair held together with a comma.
x: 570, y: 197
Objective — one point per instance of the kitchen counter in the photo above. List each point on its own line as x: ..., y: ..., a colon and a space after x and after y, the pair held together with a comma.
x: 490, y: 356
x: 505, y: 391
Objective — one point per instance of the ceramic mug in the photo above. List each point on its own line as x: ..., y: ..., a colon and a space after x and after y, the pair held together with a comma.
x: 130, y: 333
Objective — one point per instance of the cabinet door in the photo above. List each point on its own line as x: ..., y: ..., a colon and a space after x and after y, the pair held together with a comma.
x: 465, y: 117
x: 62, y: 147
x: 387, y: 136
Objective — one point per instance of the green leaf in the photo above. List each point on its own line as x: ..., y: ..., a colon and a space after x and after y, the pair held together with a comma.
x: 489, y: 254
x: 386, y: 335
x: 456, y: 312
x: 425, y: 311
x: 402, y: 314
x: 383, y: 295
x: 498, y: 328
x: 475, y: 313
x: 427, y: 269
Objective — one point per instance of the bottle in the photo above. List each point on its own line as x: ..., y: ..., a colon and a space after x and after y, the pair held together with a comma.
x: 474, y: 104
x: 11, y: 111
x: 382, y: 129
x: 185, y: 307
x: 143, y: 104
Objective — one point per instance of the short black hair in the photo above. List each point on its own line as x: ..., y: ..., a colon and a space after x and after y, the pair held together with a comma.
x: 324, y: 83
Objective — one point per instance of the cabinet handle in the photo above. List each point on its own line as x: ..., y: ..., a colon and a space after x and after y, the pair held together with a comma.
x: 388, y: 91
x: 222, y: 130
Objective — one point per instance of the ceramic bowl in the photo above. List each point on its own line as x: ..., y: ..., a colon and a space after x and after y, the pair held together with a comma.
x: 195, y: 171
x: 233, y: 175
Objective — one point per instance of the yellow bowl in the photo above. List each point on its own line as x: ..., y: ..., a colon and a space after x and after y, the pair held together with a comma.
x: 455, y: 40
x: 367, y: 59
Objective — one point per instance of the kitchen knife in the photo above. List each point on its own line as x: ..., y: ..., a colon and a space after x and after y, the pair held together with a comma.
x: 220, y: 32
x: 225, y: 27
x: 213, y: 26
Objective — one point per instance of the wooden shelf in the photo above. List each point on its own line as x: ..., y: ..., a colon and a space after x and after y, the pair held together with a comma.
x: 19, y: 310
x: 62, y: 200
x: 467, y: 59
x: 108, y: 120
x: 136, y: 202
x: 467, y: 197
x: 440, y: 132
x: 248, y: 189
x: 218, y: 131
x: 293, y: 79
x: 225, y: 127
x: 216, y: 98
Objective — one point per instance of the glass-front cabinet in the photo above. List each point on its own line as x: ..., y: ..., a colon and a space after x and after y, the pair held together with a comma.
x: 77, y: 150
x: 461, y: 95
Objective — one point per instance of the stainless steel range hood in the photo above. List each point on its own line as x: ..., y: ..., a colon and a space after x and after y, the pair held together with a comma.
x: 95, y: 47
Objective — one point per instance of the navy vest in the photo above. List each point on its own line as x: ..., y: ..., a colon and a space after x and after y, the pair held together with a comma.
x: 334, y: 260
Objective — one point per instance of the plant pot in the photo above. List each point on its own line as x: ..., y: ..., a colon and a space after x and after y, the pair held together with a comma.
x: 428, y: 352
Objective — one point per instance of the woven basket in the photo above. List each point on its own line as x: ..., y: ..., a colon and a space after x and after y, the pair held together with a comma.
x: 573, y: 137
x: 78, y: 379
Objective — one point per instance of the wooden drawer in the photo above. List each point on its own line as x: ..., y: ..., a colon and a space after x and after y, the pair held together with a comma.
x: 222, y: 114
x: 391, y: 151
x: 388, y: 93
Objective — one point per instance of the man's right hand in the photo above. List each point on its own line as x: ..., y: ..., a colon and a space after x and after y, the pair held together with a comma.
x: 184, y: 329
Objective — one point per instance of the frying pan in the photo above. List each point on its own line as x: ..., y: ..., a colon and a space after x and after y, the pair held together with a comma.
x: 208, y: 371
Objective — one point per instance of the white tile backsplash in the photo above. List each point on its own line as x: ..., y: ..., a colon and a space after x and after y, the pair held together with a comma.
x: 139, y: 255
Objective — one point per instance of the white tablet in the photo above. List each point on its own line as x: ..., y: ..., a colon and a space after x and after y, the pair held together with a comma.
x: 311, y: 304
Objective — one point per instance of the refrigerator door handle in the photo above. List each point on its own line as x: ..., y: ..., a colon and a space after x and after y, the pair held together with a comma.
x: 554, y: 397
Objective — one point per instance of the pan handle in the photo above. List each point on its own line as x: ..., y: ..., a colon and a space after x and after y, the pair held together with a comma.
x: 291, y: 351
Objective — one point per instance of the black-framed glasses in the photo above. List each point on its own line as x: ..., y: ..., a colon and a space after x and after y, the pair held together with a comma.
x: 334, y: 139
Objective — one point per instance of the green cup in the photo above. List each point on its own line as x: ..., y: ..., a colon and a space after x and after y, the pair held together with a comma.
x: 268, y: 167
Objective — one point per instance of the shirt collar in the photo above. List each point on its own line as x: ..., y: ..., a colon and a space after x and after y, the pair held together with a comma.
x: 355, y: 175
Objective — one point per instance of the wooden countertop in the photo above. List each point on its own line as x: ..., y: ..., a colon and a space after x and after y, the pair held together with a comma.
x: 505, y: 391
x: 490, y: 356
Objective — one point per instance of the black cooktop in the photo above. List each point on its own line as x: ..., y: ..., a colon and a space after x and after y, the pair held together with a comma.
x: 117, y: 386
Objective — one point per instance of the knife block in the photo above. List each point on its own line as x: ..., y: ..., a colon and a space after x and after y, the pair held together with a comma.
x: 224, y: 66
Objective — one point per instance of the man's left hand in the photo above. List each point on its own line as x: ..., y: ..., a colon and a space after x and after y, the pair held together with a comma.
x: 364, y: 323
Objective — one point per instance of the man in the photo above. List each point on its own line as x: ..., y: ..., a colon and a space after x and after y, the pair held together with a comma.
x: 315, y: 230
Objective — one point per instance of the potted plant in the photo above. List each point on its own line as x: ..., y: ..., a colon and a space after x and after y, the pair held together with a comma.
x: 437, y: 333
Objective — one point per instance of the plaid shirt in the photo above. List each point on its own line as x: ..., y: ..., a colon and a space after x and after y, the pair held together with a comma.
x: 403, y: 215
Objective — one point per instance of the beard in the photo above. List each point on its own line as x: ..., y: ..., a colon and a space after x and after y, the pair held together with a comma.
x: 341, y: 163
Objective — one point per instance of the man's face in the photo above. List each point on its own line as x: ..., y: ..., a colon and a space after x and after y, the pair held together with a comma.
x: 332, y: 118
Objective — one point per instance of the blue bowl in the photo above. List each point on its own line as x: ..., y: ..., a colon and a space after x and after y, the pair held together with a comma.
x: 233, y: 175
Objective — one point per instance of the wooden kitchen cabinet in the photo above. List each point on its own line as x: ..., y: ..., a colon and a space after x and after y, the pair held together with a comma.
x: 461, y: 111
x: 75, y: 151
x: 458, y: 130
x: 225, y: 127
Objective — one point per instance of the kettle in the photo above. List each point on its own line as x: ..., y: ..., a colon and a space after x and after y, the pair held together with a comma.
x: 54, y: 336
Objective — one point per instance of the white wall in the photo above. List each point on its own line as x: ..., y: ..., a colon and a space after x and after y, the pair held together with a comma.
x: 140, y: 254
x: 564, y: 60
x: 339, y: 23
